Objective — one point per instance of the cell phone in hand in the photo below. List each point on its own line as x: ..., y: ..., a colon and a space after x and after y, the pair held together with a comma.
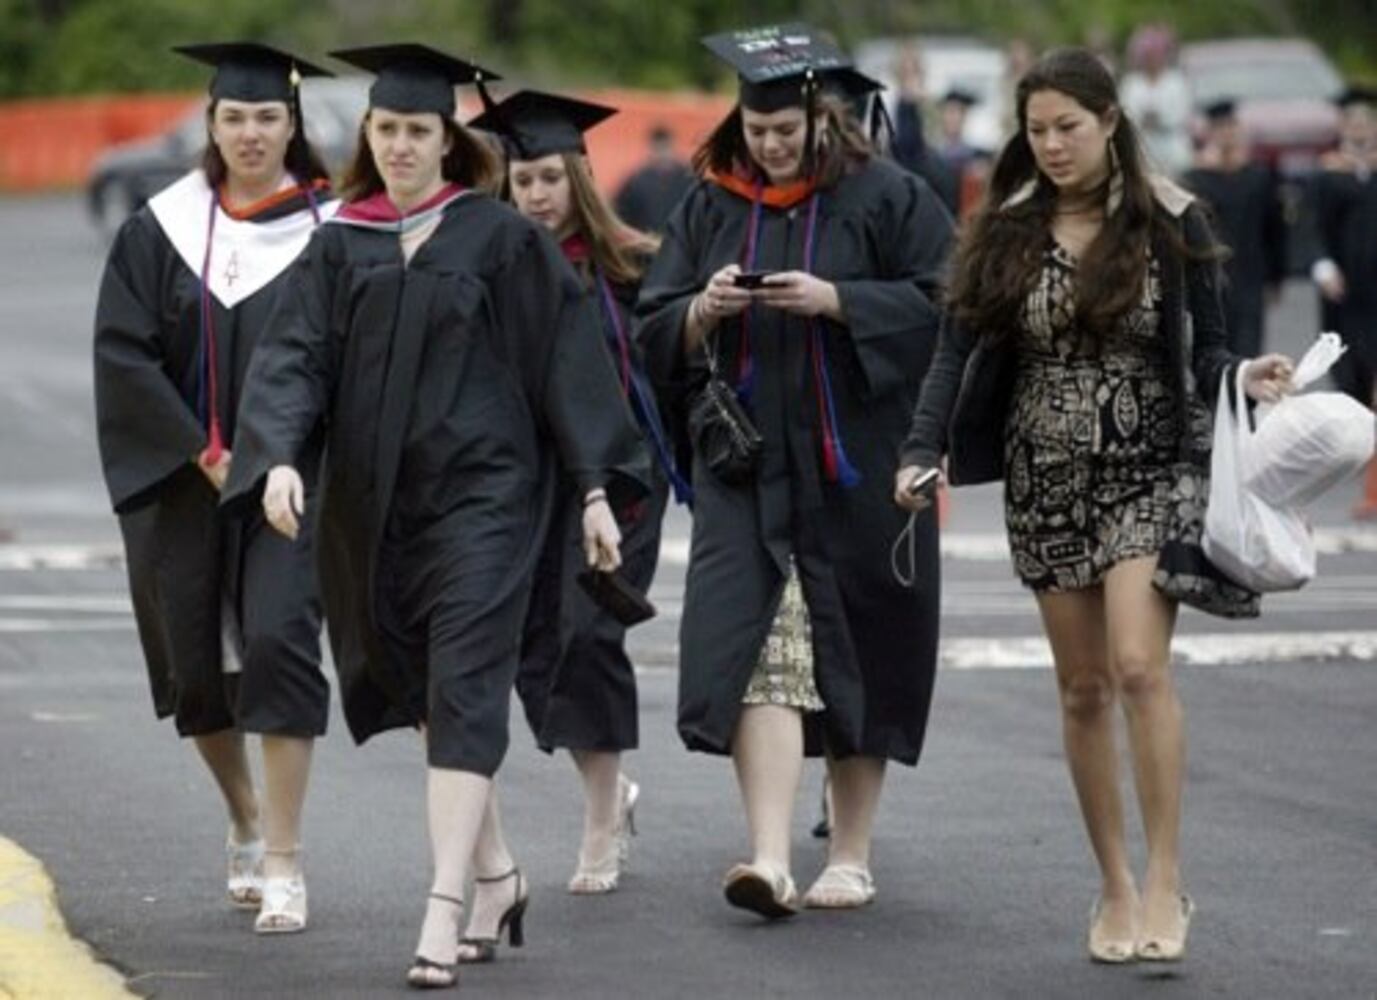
x: 924, y: 484
x: 751, y: 279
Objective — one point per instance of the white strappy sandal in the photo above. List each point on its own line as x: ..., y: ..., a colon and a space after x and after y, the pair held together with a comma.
x: 244, y: 881
x: 284, y: 903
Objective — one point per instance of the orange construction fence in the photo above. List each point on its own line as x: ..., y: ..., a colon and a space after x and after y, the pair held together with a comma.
x: 51, y: 144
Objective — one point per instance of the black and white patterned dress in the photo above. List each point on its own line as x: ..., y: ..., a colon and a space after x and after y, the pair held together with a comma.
x: 1093, y: 438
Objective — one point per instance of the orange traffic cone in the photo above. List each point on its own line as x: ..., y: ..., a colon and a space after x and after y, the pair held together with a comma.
x: 1366, y: 508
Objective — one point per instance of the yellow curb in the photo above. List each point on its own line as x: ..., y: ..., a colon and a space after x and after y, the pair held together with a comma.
x: 39, y: 959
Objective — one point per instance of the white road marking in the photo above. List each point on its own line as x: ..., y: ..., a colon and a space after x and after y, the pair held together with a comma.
x: 27, y: 626
x: 1207, y: 649
x: 28, y: 558
x: 993, y: 546
x: 89, y: 603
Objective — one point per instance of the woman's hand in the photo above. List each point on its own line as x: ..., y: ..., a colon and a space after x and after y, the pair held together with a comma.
x: 602, y: 538
x: 284, y: 500
x: 218, y: 471
x: 800, y: 293
x: 721, y: 299
x: 921, y: 500
x: 1268, y: 378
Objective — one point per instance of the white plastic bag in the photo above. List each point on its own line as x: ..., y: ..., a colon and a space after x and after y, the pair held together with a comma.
x: 1305, y: 445
x: 1260, y: 546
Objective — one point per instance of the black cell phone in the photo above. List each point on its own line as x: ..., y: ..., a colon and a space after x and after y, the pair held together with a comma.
x: 925, y: 483
x: 612, y: 593
x: 751, y: 279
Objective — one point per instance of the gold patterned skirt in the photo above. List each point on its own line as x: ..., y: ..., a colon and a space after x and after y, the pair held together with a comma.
x: 784, y: 675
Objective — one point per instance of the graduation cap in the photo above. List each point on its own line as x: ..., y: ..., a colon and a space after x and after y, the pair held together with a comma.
x: 857, y: 89
x: 414, y: 78
x: 1357, y: 94
x: 533, y: 124
x: 1220, y: 110
x: 248, y: 71
x: 852, y: 84
x: 961, y: 96
x: 777, y: 65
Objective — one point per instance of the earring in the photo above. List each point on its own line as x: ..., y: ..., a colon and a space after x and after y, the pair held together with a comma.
x: 1116, y: 182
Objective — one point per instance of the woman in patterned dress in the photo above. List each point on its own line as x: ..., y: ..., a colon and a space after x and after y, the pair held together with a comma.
x: 1085, y: 341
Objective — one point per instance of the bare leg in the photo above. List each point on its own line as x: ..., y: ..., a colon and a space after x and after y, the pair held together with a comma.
x: 286, y: 769
x: 601, y: 773
x: 768, y: 753
x: 224, y: 754
x: 456, y: 802
x: 1075, y: 628
x: 1140, y: 623
x: 498, y: 884
x: 856, y: 784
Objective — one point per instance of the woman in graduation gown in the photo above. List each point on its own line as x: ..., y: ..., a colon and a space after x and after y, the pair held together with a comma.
x: 795, y: 635
x: 576, y: 682
x: 228, y: 613
x: 450, y: 354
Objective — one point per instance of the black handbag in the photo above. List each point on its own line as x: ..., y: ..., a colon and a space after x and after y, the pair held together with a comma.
x: 723, y: 435
x: 615, y: 595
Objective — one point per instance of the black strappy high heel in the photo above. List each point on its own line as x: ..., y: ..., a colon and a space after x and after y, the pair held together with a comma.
x: 419, y: 977
x: 512, y: 922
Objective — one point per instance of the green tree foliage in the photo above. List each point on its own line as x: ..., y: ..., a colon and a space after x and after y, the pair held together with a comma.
x: 74, y: 46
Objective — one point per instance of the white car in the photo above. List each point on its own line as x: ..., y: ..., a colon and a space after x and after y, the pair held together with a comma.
x: 949, y: 62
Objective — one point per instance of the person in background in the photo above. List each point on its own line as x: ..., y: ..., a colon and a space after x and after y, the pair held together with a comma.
x: 646, y: 198
x: 1247, y: 210
x: 576, y: 682
x: 1156, y: 97
x: 806, y: 270
x: 228, y: 611
x: 1345, y: 199
x: 1066, y: 369
x: 911, y: 148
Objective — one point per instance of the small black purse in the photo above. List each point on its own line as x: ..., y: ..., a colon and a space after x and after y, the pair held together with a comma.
x: 723, y: 435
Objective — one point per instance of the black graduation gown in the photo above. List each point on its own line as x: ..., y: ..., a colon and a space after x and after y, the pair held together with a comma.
x: 1248, y: 213
x: 1346, y: 217
x: 577, y: 685
x: 192, y: 573
x: 447, y: 386
x: 883, y: 239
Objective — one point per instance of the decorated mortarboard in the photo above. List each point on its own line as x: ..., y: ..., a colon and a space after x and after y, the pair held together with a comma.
x: 533, y: 124
x: 414, y: 78
x: 961, y: 96
x: 1224, y: 108
x: 774, y: 64
x: 248, y: 71
x: 1357, y: 94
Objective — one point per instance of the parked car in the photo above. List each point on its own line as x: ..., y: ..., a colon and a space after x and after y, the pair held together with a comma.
x: 127, y: 175
x: 950, y: 62
x: 1285, y: 89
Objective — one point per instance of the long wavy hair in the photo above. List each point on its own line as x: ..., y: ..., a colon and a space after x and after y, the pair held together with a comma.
x: 842, y: 144
x: 1000, y: 251
x: 469, y: 162
x: 301, y: 159
x: 620, y: 251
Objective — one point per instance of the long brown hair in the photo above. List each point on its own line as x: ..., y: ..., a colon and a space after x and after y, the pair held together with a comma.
x: 1000, y: 251
x: 301, y: 159
x: 469, y: 162
x: 621, y: 252
x: 842, y: 143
